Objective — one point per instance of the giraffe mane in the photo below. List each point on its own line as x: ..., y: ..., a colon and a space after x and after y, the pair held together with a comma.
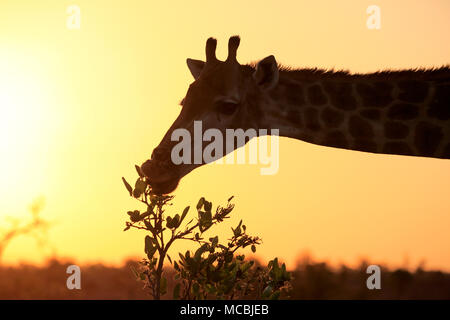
x: 434, y: 73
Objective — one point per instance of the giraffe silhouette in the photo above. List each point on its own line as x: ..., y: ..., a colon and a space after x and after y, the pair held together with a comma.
x: 403, y: 112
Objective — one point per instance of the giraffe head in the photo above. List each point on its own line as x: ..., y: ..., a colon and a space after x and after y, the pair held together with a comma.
x: 224, y: 95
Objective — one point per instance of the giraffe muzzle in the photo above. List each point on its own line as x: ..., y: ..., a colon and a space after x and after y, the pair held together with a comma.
x: 163, y: 176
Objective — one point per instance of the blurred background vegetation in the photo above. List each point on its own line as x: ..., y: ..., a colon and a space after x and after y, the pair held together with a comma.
x: 311, y: 280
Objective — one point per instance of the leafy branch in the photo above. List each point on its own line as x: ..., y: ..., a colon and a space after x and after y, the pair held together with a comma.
x: 214, y: 270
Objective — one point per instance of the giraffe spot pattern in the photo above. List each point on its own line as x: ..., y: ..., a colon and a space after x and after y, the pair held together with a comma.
x: 316, y: 95
x: 440, y: 105
x: 377, y: 94
x: 295, y: 116
x: 332, y: 118
x: 254, y: 110
x: 395, y: 130
x: 341, y: 95
x: 312, y: 119
x: 371, y: 114
x: 360, y: 128
x: 403, y: 111
x: 412, y: 90
x: 336, y: 139
x: 395, y: 147
x: 427, y: 138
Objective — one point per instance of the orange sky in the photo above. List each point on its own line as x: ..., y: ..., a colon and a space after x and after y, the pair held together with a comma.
x: 80, y: 107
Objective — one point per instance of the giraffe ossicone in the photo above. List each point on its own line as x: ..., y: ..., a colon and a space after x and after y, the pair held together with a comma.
x: 403, y: 112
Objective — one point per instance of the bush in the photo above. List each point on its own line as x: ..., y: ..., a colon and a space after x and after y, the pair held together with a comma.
x: 214, y: 270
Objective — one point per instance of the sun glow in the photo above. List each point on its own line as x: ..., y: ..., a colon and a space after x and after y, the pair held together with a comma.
x: 24, y: 124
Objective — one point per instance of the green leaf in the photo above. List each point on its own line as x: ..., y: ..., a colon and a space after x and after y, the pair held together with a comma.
x: 267, y: 292
x: 253, y: 248
x: 127, y: 185
x: 169, y: 222
x: 214, y: 241
x: 176, y: 291
x: 205, y: 220
x: 136, y: 193
x: 200, y: 203
x: 208, y: 217
x: 148, y: 244
x: 151, y: 253
x: 200, y: 251
x: 208, y: 205
x: 275, y: 295
x: 183, y: 215
x: 139, y: 187
x: 237, y: 232
x: 285, y: 276
x: 272, y: 263
x: 135, y: 215
x: 176, y: 221
x: 149, y: 249
x: 139, y: 171
x: 230, y: 198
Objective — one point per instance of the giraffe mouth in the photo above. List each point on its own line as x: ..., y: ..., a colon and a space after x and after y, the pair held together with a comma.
x: 162, y: 177
x: 164, y: 187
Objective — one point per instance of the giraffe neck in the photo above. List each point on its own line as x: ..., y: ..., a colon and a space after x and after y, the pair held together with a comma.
x: 404, y: 112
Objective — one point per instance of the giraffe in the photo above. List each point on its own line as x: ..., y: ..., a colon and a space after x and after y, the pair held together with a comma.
x: 390, y: 112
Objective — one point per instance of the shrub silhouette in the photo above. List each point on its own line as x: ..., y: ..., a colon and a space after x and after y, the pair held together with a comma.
x: 214, y: 270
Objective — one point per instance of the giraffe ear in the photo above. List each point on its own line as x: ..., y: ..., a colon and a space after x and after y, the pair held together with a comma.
x: 266, y: 73
x: 195, y: 66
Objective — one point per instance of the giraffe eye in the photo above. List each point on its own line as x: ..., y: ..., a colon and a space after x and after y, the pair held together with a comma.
x: 227, y: 108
